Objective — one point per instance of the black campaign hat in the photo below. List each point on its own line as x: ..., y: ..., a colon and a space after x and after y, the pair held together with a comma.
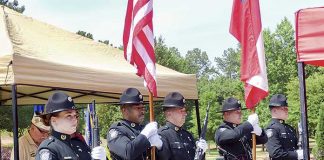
x: 57, y: 102
x: 174, y: 99
x: 131, y: 96
x: 278, y: 100
x: 231, y: 104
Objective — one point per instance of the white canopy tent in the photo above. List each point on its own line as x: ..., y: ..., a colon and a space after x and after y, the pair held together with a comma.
x: 37, y: 58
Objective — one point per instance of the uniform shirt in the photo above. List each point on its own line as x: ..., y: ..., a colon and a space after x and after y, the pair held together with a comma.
x: 178, y: 144
x: 60, y: 146
x: 125, y: 141
x: 27, y: 148
x: 80, y: 147
x: 236, y: 140
x: 282, y: 141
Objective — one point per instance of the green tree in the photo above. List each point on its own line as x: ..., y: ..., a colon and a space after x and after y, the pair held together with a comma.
x: 104, y: 41
x: 318, y: 151
x: 13, y: 5
x: 280, y: 56
x: 199, y: 63
x: 314, y: 92
x: 170, y: 57
x: 25, y: 114
x: 107, y: 115
x: 229, y: 64
x: 85, y: 34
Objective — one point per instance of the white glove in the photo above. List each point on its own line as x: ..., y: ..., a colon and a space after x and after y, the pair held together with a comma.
x: 202, y: 144
x: 149, y: 129
x: 156, y: 141
x: 253, y: 119
x: 300, y: 154
x: 98, y: 152
x: 257, y: 130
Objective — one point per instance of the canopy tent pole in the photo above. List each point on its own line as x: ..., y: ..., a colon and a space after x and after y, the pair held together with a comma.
x: 198, y: 116
x: 15, y: 120
x: 303, y: 109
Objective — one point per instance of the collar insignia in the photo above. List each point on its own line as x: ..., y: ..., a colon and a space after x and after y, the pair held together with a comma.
x: 63, y: 137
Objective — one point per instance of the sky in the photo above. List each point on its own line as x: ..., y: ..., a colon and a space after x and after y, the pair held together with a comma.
x: 184, y: 24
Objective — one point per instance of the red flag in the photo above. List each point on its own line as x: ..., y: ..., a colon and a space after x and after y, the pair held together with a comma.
x: 247, y: 29
x: 138, y: 41
x: 309, y: 36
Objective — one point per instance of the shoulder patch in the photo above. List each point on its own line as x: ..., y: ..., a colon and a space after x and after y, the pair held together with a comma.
x: 269, y: 133
x: 222, y: 129
x: 113, y: 133
x: 45, y: 154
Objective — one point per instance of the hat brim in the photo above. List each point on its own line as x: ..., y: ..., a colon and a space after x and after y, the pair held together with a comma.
x: 118, y: 103
x: 59, y: 110
x: 232, y: 109
x: 172, y: 106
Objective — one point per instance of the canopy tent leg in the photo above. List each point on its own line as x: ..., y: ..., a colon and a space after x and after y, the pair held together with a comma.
x: 303, y: 109
x: 15, y: 120
x: 198, y: 117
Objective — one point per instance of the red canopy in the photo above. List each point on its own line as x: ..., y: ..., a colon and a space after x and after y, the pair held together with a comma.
x: 310, y: 36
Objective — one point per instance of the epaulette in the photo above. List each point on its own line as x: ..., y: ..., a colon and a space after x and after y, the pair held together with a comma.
x: 271, y: 124
x: 48, y: 141
x: 163, y: 128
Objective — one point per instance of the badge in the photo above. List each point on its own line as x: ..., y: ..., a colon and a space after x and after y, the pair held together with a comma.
x: 184, y: 100
x: 222, y: 129
x: 176, y: 128
x: 133, y: 125
x: 44, y: 154
x: 70, y: 99
x: 113, y: 134
x: 140, y: 96
x: 269, y: 133
x: 63, y: 137
x: 234, y: 125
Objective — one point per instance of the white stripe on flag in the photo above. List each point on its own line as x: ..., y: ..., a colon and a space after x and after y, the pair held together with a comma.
x: 147, y: 8
x: 148, y: 33
x: 144, y: 55
x: 260, y: 80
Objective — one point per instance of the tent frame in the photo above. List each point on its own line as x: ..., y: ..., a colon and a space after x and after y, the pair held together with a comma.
x: 303, y: 109
x: 14, y: 97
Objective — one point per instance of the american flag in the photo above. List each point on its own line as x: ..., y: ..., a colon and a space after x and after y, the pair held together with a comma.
x: 138, y: 41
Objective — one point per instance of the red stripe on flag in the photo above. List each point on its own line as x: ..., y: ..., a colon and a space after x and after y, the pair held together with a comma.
x: 247, y: 29
x: 127, y: 26
x: 138, y: 41
x: 139, y: 5
x: 142, y: 23
x: 149, y: 48
x: 151, y: 84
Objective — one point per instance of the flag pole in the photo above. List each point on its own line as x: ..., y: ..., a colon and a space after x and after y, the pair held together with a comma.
x: 253, y: 140
x: 151, y: 120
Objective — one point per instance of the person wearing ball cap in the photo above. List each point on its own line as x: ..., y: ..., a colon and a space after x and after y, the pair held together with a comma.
x: 233, y: 138
x: 61, y: 114
x: 178, y: 144
x: 282, y: 143
x: 29, y: 142
x: 128, y: 139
